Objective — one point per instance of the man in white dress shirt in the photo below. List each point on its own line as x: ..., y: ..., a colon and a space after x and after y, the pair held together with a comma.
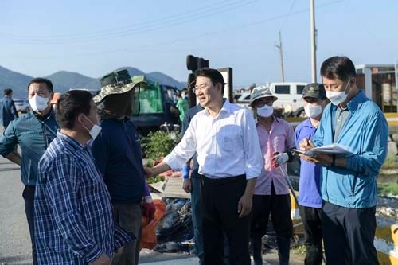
x: 225, y: 139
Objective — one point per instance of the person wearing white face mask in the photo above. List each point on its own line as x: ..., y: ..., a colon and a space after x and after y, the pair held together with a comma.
x: 70, y: 191
x: 271, y: 195
x: 33, y: 131
x: 310, y: 201
x: 348, y: 183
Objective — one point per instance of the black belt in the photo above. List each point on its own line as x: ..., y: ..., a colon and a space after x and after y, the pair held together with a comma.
x: 221, y: 181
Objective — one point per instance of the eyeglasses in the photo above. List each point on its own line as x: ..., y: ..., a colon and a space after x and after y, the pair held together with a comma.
x: 200, y: 88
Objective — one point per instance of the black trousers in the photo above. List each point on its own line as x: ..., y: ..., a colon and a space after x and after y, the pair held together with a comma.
x: 280, y: 209
x: 28, y: 194
x: 220, y: 198
x: 312, y: 222
x: 348, y: 235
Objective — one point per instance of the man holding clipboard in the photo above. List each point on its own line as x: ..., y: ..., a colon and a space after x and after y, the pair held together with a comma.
x: 349, y: 181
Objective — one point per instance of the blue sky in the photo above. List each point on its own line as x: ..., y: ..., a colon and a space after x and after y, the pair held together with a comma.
x: 94, y: 37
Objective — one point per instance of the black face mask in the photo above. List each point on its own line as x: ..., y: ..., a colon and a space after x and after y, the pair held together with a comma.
x: 115, y: 106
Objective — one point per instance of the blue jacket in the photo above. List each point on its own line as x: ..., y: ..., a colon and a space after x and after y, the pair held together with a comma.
x: 33, y: 133
x: 8, y: 112
x: 365, y: 134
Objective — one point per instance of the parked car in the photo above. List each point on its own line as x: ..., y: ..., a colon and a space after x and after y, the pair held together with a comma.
x: 22, y: 105
x: 289, y: 97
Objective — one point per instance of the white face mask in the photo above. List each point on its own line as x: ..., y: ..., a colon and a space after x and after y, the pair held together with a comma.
x: 265, y: 111
x: 313, y: 111
x: 337, y: 97
x: 38, y: 103
x: 95, y: 130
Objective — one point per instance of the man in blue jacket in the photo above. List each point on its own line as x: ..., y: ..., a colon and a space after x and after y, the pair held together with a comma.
x: 33, y: 132
x: 349, y: 183
x: 7, y: 108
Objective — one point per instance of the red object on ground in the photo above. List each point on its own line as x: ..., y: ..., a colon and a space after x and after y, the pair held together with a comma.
x: 148, y: 238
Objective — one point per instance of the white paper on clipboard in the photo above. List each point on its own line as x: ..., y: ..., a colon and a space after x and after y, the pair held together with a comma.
x: 333, y: 149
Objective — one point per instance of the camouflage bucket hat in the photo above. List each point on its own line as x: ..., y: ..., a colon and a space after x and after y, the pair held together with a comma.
x: 261, y: 92
x: 116, y: 82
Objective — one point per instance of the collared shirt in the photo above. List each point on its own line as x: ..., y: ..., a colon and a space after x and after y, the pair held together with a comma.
x: 310, y: 174
x: 8, y: 112
x: 33, y: 133
x: 226, y: 145
x: 279, y: 139
x: 365, y: 134
x: 118, y: 156
x: 73, y: 213
x: 341, y: 116
x: 187, y: 119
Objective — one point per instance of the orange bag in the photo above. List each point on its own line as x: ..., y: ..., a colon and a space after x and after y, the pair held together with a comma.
x: 148, y: 238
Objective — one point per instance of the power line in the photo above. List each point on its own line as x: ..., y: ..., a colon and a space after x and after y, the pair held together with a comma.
x: 142, y: 48
x: 290, y: 11
x: 145, y: 27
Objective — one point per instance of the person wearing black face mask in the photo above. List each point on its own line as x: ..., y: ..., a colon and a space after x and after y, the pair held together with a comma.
x: 118, y: 156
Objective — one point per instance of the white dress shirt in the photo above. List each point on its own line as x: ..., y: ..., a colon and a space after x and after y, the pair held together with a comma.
x: 226, y: 146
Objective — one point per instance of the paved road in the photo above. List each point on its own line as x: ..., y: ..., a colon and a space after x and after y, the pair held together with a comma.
x: 14, y: 235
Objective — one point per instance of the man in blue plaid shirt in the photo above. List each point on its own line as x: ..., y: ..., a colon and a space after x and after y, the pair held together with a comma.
x: 73, y: 213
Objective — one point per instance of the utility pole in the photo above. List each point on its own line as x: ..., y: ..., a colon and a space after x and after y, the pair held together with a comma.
x: 279, y: 46
x: 313, y: 41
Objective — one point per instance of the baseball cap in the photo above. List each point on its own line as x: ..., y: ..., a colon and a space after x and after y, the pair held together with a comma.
x: 314, y: 91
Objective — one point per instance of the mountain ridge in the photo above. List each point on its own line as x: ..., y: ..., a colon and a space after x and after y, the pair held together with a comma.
x: 65, y: 80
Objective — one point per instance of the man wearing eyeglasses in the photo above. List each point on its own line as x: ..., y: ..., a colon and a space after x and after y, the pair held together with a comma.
x: 224, y: 137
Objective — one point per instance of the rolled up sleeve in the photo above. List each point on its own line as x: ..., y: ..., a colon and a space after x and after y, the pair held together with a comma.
x: 184, y: 150
x: 8, y: 140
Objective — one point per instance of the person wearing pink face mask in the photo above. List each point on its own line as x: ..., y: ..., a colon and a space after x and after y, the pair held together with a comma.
x: 271, y: 195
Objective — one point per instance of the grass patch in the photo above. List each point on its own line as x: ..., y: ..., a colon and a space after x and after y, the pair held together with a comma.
x: 300, y: 250
x: 388, y: 188
x: 390, y: 163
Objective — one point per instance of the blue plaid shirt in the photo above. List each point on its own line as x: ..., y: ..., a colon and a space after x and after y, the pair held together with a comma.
x: 73, y: 213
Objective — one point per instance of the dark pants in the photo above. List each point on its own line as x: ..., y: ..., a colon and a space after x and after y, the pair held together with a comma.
x: 129, y: 217
x: 280, y: 209
x: 28, y: 194
x: 196, y: 202
x: 196, y: 183
x: 312, y: 223
x: 220, y: 198
x: 348, y: 235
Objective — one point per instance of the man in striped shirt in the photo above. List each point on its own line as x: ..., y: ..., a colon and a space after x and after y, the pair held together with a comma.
x: 73, y: 212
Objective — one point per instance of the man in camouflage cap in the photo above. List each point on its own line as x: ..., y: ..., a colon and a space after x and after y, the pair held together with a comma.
x: 118, y: 156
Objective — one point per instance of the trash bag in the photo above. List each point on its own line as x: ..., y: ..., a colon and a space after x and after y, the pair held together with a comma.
x: 175, y: 226
x: 148, y: 237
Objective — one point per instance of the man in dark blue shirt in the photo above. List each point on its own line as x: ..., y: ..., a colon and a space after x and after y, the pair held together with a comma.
x: 118, y: 156
x: 7, y: 108
x: 33, y: 132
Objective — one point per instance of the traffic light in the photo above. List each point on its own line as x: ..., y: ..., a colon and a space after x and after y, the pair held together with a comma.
x: 195, y: 63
